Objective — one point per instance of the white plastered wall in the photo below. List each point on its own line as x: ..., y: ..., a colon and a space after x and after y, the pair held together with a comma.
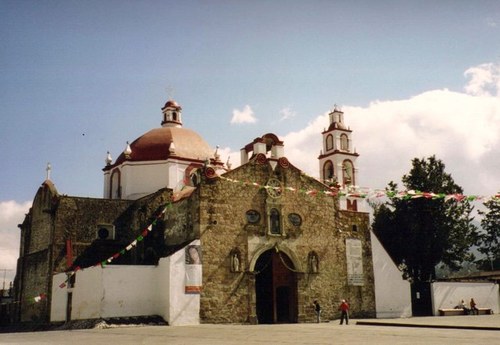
x: 183, y: 309
x: 122, y: 291
x: 446, y: 295
x: 392, y: 292
x: 140, y: 179
x: 59, y: 298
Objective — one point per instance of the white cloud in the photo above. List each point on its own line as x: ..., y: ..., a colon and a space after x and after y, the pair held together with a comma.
x: 11, y: 214
x: 243, y: 116
x: 287, y: 113
x: 461, y: 129
x: 484, y: 80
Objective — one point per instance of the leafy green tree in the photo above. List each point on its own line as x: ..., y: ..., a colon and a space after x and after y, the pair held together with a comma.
x: 489, y: 239
x: 419, y: 233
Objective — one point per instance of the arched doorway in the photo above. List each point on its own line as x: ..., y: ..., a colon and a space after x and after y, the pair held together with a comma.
x: 275, y: 288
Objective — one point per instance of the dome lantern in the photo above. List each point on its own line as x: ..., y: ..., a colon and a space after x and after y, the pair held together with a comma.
x: 172, y: 114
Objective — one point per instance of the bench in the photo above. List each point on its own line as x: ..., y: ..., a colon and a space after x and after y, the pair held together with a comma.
x: 454, y: 311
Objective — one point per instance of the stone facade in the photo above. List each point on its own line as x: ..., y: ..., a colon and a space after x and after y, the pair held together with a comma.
x: 272, y: 242
x: 225, y: 229
x: 273, y: 239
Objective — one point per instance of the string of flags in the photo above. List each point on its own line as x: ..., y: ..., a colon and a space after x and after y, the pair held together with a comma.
x: 351, y: 192
x: 144, y: 232
x: 355, y: 192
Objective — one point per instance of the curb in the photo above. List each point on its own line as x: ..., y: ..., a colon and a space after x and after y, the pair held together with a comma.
x: 393, y: 324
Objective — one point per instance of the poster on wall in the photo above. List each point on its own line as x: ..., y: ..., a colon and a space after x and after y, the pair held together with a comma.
x: 193, y: 264
x: 354, y: 253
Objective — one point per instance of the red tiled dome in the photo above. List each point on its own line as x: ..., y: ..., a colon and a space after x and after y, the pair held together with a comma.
x: 155, y: 145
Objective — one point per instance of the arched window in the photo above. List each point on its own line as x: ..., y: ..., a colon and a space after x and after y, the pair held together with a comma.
x: 344, y: 142
x: 328, y: 171
x: 329, y: 142
x: 348, y: 173
x: 115, y: 190
x: 174, y: 115
x: 274, y: 222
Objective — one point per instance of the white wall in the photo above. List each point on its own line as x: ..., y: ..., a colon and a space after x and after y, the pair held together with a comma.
x: 59, y: 298
x: 87, y: 294
x: 127, y: 291
x: 121, y: 291
x: 183, y: 309
x: 447, y: 295
x: 142, y: 178
x: 392, y: 292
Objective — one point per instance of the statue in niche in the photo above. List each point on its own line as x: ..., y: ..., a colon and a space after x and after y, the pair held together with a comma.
x: 235, y: 262
x: 313, y: 262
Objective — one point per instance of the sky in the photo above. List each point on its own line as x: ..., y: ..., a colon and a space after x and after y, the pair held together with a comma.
x: 80, y: 78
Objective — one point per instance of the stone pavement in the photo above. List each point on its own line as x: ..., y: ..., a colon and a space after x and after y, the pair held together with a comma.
x: 483, y: 329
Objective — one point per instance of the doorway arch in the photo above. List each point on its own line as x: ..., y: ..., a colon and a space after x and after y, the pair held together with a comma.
x: 275, y: 288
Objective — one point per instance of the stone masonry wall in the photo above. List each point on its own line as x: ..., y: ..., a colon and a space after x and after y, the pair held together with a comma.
x: 54, y: 219
x: 229, y: 297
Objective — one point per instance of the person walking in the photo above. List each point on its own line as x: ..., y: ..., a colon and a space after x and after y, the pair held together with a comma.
x: 344, y: 312
x: 317, y: 310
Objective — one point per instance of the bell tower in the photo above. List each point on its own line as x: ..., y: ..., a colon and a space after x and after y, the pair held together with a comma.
x: 337, y: 159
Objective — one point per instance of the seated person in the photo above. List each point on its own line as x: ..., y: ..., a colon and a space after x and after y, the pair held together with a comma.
x: 464, y: 307
x: 473, y: 307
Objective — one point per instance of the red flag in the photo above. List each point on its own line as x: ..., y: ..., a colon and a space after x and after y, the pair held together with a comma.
x: 69, y: 253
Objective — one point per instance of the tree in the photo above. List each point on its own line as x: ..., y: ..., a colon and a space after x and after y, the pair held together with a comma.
x: 489, y: 239
x: 419, y: 233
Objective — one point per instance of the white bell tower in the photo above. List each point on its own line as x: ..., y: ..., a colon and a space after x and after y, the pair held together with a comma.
x: 337, y: 159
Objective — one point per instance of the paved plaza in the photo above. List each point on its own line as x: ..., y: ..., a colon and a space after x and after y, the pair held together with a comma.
x: 483, y: 329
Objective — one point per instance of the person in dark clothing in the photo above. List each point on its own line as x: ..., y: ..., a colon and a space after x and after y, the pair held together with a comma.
x: 473, y: 307
x: 317, y: 310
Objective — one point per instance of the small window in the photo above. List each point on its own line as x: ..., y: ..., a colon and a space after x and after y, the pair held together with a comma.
x: 295, y: 219
x: 348, y: 171
x: 329, y: 142
x: 253, y: 216
x: 354, y: 228
x: 274, y: 221
x: 115, y: 187
x: 105, y: 232
x: 344, y: 142
x: 328, y: 170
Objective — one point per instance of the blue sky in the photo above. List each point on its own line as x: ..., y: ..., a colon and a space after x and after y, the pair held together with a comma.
x: 79, y: 78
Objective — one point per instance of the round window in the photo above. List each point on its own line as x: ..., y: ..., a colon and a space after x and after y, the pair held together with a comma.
x: 295, y: 219
x: 103, y: 233
x: 253, y: 216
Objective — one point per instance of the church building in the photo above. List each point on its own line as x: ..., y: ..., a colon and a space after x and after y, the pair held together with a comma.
x: 182, y: 235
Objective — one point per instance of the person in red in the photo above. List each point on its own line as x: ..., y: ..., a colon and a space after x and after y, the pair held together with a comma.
x: 344, y: 312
